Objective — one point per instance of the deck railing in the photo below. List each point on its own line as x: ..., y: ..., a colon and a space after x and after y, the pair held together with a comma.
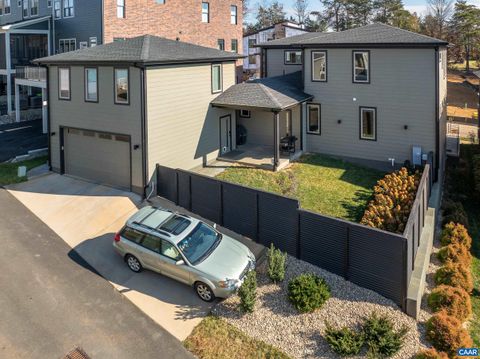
x: 31, y: 73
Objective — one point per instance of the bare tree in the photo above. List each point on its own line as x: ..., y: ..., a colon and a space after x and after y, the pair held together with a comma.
x: 300, y: 7
x: 440, y: 11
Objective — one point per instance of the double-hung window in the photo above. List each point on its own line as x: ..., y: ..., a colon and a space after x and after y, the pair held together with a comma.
x: 33, y: 7
x: 368, y: 123
x: 57, y: 9
x: 121, y: 9
x: 122, y: 91
x: 221, y: 44
x: 319, y: 66
x: 25, y: 8
x: 8, y: 7
x: 49, y: 3
x: 314, y: 118
x: 361, y: 67
x: 233, y: 15
x: 234, y: 45
x: 205, y: 12
x: 251, y: 43
x: 1, y: 7
x: 66, y: 45
x: 293, y: 57
x: 216, y: 78
x: 91, y: 85
x: 68, y: 8
x: 64, y: 83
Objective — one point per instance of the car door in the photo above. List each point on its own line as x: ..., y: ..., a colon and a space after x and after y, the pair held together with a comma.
x: 150, y: 252
x: 169, y: 256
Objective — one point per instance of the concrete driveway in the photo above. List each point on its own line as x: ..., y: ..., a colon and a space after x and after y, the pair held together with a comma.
x: 87, y: 216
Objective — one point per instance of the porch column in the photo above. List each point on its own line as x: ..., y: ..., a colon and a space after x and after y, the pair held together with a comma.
x: 44, y: 110
x: 276, y: 140
x: 8, y: 62
x: 303, y: 127
x: 17, y: 102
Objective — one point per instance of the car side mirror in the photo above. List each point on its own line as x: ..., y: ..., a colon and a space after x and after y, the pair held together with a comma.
x: 180, y: 262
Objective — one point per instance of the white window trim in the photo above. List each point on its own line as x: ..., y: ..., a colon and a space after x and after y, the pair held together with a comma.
x: 93, y: 41
x: 362, y: 111
x: 319, y: 131
x: 326, y: 65
x: 63, y: 10
x: 367, y: 81
x: 55, y: 2
x: 5, y: 8
x: 221, y: 78
x: 87, y: 69
x: 245, y: 113
x: 31, y: 8
x: 69, y: 40
x: 60, y: 84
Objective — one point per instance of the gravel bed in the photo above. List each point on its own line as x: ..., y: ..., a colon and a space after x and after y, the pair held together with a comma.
x: 278, y: 323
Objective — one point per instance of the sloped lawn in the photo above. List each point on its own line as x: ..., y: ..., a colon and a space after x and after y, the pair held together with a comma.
x: 322, y: 184
x: 8, y: 171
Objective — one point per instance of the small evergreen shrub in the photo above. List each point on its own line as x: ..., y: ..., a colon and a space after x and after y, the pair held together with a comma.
x: 455, y: 275
x: 248, y: 292
x: 446, y: 333
x: 453, y: 211
x: 380, y: 336
x: 393, y: 199
x: 308, y: 292
x: 456, y: 253
x: 276, y: 264
x: 431, y: 354
x: 455, y: 233
x: 454, y: 301
x: 344, y: 341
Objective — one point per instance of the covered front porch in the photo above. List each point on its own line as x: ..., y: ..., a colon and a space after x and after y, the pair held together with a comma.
x: 268, y: 127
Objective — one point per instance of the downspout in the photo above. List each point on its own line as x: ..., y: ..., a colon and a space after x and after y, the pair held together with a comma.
x: 49, y: 130
x: 437, y: 119
x: 143, y: 88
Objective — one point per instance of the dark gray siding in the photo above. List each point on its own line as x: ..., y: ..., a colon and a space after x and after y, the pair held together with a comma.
x: 3, y: 60
x: 86, y: 23
x: 16, y: 13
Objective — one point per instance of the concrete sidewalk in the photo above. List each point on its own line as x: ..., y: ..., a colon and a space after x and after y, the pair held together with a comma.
x: 87, y: 216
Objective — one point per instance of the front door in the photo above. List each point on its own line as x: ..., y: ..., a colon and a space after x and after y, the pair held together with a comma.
x: 225, y: 134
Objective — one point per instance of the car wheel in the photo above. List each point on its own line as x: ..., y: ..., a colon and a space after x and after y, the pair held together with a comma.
x: 133, y: 263
x: 204, y: 292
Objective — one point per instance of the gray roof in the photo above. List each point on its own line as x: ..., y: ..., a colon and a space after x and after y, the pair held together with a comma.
x: 146, y: 49
x: 374, y: 35
x: 271, y: 93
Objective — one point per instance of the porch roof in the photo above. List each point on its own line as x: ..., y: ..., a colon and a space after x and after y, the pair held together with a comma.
x: 271, y: 94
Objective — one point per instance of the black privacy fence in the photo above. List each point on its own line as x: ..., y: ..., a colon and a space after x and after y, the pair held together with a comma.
x: 372, y: 258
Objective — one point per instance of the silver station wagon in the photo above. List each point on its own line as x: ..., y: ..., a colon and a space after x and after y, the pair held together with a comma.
x: 185, y: 249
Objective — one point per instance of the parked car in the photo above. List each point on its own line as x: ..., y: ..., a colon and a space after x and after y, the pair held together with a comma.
x: 185, y: 249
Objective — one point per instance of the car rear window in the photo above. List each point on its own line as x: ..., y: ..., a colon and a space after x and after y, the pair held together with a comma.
x: 132, y: 235
x: 175, y: 225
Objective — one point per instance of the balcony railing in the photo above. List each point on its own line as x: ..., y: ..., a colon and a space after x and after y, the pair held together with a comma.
x: 31, y: 73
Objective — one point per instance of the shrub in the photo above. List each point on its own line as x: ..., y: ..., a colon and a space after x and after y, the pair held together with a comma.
x: 454, y: 212
x: 455, y: 233
x: 344, y: 341
x: 381, y: 338
x: 431, y: 354
x: 308, y: 292
x: 394, y: 197
x: 454, y: 301
x: 455, y: 275
x: 476, y: 172
x: 446, y: 333
x: 276, y: 264
x: 248, y: 292
x: 456, y: 253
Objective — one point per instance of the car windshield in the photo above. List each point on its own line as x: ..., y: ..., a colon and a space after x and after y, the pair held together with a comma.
x: 200, y: 243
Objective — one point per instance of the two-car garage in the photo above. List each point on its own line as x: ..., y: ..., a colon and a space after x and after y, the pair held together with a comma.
x: 99, y: 157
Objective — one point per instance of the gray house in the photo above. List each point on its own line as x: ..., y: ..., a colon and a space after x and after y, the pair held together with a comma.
x: 116, y: 110
x: 374, y: 95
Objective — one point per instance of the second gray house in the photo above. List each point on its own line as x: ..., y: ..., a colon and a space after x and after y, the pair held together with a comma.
x: 374, y: 95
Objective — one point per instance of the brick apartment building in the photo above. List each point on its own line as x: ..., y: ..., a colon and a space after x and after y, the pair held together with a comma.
x: 35, y: 28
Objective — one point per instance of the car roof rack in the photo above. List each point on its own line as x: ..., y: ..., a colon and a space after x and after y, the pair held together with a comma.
x: 152, y: 229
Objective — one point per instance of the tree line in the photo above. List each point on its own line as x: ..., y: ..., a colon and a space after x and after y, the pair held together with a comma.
x: 457, y: 23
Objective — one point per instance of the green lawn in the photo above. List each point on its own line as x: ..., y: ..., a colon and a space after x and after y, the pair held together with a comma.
x: 214, y: 338
x: 322, y: 184
x: 474, y: 65
x: 8, y: 171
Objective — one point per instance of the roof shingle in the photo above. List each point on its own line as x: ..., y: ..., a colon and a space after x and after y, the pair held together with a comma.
x: 146, y: 49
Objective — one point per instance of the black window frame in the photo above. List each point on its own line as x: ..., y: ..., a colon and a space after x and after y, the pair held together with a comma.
x: 85, y: 70
x: 248, y: 115
x: 234, y: 17
x: 115, y: 86
x: 69, y: 98
x: 122, y: 7
x: 360, y: 122
x: 232, y: 42
x: 221, y: 44
x: 291, y: 63
x: 220, y: 65
x: 325, y: 52
x: 369, y: 73
x: 319, y: 133
x: 207, y: 13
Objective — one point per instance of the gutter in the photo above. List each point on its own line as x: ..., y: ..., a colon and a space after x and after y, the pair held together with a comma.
x: 351, y: 45
x: 143, y: 116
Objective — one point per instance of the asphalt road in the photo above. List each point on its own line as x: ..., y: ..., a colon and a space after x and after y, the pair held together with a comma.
x: 52, y: 302
x: 19, y: 138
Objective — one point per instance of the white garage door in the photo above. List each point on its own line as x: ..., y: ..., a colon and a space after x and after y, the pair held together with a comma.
x: 97, y: 156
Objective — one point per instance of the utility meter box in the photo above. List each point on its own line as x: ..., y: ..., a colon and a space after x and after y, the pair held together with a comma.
x: 417, y: 155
